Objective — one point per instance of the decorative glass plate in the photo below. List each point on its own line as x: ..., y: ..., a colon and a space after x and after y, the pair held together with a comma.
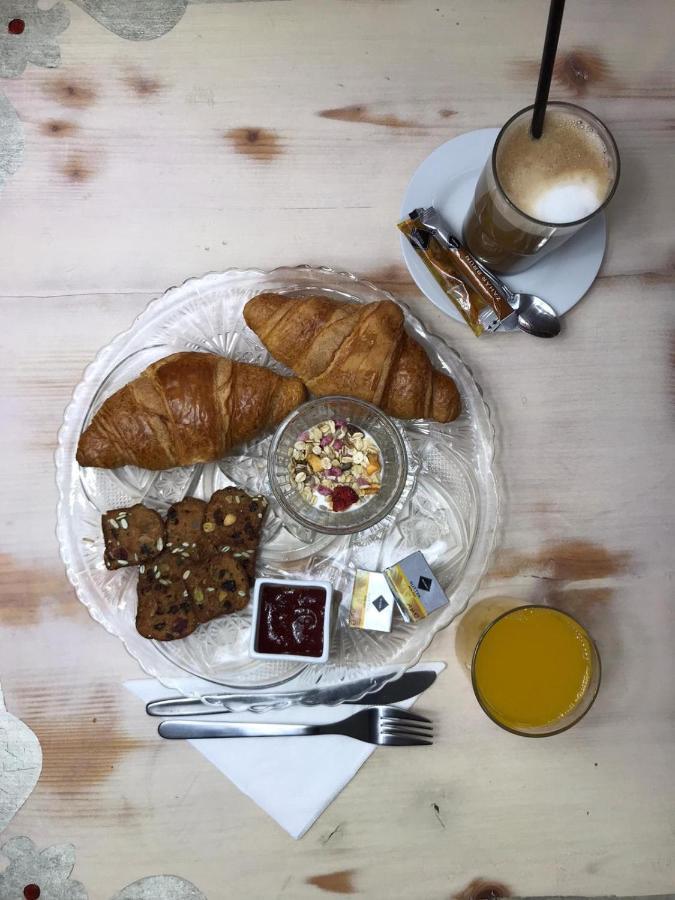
x: 448, y: 508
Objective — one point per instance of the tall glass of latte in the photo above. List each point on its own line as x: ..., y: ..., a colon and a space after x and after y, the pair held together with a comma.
x: 534, y: 194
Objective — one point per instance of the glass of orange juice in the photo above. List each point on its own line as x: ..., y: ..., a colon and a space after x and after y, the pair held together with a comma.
x: 535, y: 671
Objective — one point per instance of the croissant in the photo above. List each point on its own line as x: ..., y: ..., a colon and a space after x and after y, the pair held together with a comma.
x: 361, y: 351
x: 186, y: 408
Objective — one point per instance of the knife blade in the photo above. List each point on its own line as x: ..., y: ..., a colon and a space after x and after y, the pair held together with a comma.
x: 408, y: 685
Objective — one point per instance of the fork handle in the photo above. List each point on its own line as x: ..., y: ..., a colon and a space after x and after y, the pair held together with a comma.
x: 180, y: 729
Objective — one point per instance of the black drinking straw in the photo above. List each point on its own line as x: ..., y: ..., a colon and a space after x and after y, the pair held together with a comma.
x: 555, y: 14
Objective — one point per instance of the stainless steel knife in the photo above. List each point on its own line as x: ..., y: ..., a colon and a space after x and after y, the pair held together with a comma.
x: 408, y: 685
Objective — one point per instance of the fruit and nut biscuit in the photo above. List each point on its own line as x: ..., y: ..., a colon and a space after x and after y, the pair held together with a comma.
x: 218, y: 586
x: 132, y: 535
x: 165, y: 609
x: 184, y: 535
x: 234, y: 520
x: 247, y: 560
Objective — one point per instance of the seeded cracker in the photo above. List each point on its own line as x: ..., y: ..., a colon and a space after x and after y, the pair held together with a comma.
x: 218, y: 586
x: 165, y: 611
x: 234, y: 520
x: 247, y: 560
x: 132, y: 535
x: 184, y: 534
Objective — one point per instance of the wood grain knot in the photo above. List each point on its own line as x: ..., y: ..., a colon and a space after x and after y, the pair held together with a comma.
x: 76, y: 94
x: 143, y: 86
x: 341, y: 882
x: 481, y: 889
x: 58, y: 128
x: 79, y: 168
x: 359, y: 113
x: 578, y: 69
x: 260, y: 144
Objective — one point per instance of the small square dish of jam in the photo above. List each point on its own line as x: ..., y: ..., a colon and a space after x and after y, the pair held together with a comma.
x: 291, y: 620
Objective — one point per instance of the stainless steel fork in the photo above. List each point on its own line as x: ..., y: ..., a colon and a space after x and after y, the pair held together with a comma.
x: 385, y: 725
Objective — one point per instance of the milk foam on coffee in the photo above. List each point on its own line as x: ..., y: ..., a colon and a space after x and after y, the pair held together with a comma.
x: 563, y: 176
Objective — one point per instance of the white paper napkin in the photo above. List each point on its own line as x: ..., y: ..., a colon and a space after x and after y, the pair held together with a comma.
x: 293, y: 779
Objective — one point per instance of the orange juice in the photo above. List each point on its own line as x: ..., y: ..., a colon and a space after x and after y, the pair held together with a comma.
x: 532, y: 667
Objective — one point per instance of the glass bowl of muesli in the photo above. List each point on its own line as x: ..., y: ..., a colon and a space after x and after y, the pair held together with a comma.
x: 337, y: 465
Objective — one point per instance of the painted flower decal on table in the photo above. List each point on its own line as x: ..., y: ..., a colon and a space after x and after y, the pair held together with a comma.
x: 11, y: 139
x: 29, y: 35
x: 136, y: 20
x: 33, y: 874
x: 20, y: 764
x: 160, y: 887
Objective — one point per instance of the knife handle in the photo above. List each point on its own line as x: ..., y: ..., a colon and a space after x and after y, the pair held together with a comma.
x: 211, y: 704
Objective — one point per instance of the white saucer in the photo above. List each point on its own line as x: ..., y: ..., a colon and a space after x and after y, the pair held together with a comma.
x: 446, y: 180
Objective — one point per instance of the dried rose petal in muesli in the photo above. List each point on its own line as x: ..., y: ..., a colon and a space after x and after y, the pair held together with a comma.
x: 330, y: 457
x: 344, y: 497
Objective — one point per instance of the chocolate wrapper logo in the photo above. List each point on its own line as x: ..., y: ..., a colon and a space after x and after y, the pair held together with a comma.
x: 380, y: 603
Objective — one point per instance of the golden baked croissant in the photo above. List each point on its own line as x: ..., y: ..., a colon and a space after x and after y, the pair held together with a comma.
x: 184, y: 409
x: 361, y: 351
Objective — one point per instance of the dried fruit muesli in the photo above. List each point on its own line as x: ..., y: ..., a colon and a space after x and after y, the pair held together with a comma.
x: 333, y: 464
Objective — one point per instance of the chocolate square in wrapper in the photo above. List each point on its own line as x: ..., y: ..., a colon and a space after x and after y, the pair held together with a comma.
x: 415, y: 588
x: 372, y: 605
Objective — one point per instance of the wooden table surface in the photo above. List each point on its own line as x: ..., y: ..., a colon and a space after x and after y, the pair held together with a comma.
x: 269, y: 133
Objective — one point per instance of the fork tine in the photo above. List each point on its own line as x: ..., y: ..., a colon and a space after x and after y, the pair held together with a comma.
x: 390, y: 740
x: 395, y: 722
x: 405, y: 723
x: 393, y: 712
x: 404, y: 729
